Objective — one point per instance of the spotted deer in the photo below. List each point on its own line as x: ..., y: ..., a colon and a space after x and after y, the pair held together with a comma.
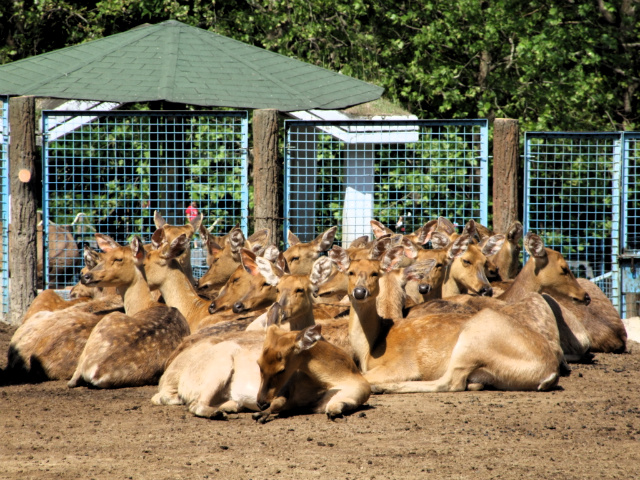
x: 302, y: 370
x: 127, y: 349
x: 448, y: 352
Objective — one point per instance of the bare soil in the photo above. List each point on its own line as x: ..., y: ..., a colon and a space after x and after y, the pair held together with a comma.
x: 589, y: 427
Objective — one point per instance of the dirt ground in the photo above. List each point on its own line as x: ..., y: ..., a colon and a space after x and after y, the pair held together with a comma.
x: 589, y: 427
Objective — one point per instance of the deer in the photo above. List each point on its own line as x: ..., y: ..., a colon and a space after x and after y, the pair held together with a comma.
x: 507, y: 259
x: 300, y: 256
x: 448, y: 352
x: 223, y: 260
x: 302, y: 370
x: 218, y: 374
x: 127, y: 349
x: 170, y: 232
x: 49, y: 343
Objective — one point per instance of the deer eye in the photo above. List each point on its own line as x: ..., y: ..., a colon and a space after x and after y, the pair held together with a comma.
x: 117, y: 259
x: 295, y: 259
x: 351, y: 273
x: 438, y: 265
x: 236, y: 280
x: 565, y: 271
x: 265, y: 284
x: 466, y: 262
x: 374, y: 274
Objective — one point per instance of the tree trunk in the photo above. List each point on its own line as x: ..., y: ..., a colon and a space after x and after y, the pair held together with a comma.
x: 266, y: 172
x: 505, y: 173
x: 22, y: 178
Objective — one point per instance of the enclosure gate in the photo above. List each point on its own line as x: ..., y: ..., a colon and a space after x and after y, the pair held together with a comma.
x: 581, y: 197
x: 108, y: 172
x: 4, y: 202
x: 401, y: 173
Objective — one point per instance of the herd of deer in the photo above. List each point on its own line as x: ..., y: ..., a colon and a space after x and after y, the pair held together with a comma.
x: 269, y: 331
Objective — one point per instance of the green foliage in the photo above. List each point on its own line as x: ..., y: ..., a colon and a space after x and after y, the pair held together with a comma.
x: 554, y: 65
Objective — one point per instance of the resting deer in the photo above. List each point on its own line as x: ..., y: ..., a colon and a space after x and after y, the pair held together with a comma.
x: 171, y: 232
x: 301, y: 369
x: 224, y: 259
x: 127, y: 349
x: 507, y: 259
x: 300, y: 256
x: 447, y: 352
x: 218, y: 374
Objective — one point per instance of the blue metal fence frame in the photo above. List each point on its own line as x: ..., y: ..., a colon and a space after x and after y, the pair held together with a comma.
x: 347, y: 172
x: 607, y: 190
x: 196, y: 155
x: 5, y: 206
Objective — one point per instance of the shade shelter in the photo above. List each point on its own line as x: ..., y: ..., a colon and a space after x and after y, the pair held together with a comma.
x: 170, y: 62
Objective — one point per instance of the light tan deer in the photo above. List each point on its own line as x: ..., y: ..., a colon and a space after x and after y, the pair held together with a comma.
x: 446, y: 352
x: 128, y: 349
x: 507, y: 259
x: 302, y: 370
x: 218, y: 374
x: 300, y: 256
x: 171, y: 232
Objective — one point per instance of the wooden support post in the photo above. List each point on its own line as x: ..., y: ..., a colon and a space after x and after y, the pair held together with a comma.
x: 505, y: 173
x: 22, y: 166
x: 267, y: 180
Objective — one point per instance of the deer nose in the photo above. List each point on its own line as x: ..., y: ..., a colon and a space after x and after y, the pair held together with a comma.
x: 237, y: 307
x: 587, y: 299
x: 486, y: 292
x: 212, y: 307
x: 424, y: 288
x: 360, y: 293
x: 86, y: 278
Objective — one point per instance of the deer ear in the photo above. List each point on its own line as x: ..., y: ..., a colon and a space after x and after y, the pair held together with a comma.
x: 274, y: 314
x: 379, y: 230
x: 459, y: 246
x: 493, y: 245
x: 236, y: 240
x: 176, y: 248
x: 325, y: 240
x: 158, y: 219
x: 445, y: 226
x: 248, y: 260
x: 392, y: 258
x: 427, y: 231
x: 267, y: 270
x: 271, y: 253
x: 534, y: 245
x: 320, y: 271
x: 308, y: 337
x: 292, y: 239
x: 137, y: 249
x: 158, y: 238
x: 204, y: 233
x: 419, y: 270
x: 105, y: 242
x: 340, y: 257
x: 440, y: 240
x: 515, y: 232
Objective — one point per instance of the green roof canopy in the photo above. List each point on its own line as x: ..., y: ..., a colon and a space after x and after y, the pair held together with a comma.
x: 175, y: 62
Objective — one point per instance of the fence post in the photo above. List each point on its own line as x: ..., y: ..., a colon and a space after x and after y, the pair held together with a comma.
x: 505, y: 173
x: 266, y: 172
x: 22, y: 179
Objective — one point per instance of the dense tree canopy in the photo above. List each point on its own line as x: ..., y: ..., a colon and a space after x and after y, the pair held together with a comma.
x: 554, y: 64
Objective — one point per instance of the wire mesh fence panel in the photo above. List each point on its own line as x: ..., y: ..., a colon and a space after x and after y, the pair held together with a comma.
x: 108, y: 172
x: 4, y: 202
x: 572, y: 201
x: 401, y: 173
x: 630, y: 239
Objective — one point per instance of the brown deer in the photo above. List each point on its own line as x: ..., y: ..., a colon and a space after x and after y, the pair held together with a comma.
x: 300, y: 256
x: 301, y: 369
x: 446, y: 352
x: 171, y: 232
x: 224, y: 259
x: 507, y: 259
x: 128, y: 349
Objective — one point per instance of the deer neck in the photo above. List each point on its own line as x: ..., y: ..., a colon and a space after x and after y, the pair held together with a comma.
x: 178, y: 292
x: 449, y: 285
x: 524, y: 283
x: 302, y: 320
x: 364, y: 329
x: 136, y: 296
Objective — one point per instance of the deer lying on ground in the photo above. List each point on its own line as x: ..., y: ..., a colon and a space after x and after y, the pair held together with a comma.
x: 514, y: 349
x: 48, y: 344
x: 301, y: 369
x: 127, y: 349
x: 171, y: 232
x: 218, y: 374
x: 224, y: 259
x: 507, y: 259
